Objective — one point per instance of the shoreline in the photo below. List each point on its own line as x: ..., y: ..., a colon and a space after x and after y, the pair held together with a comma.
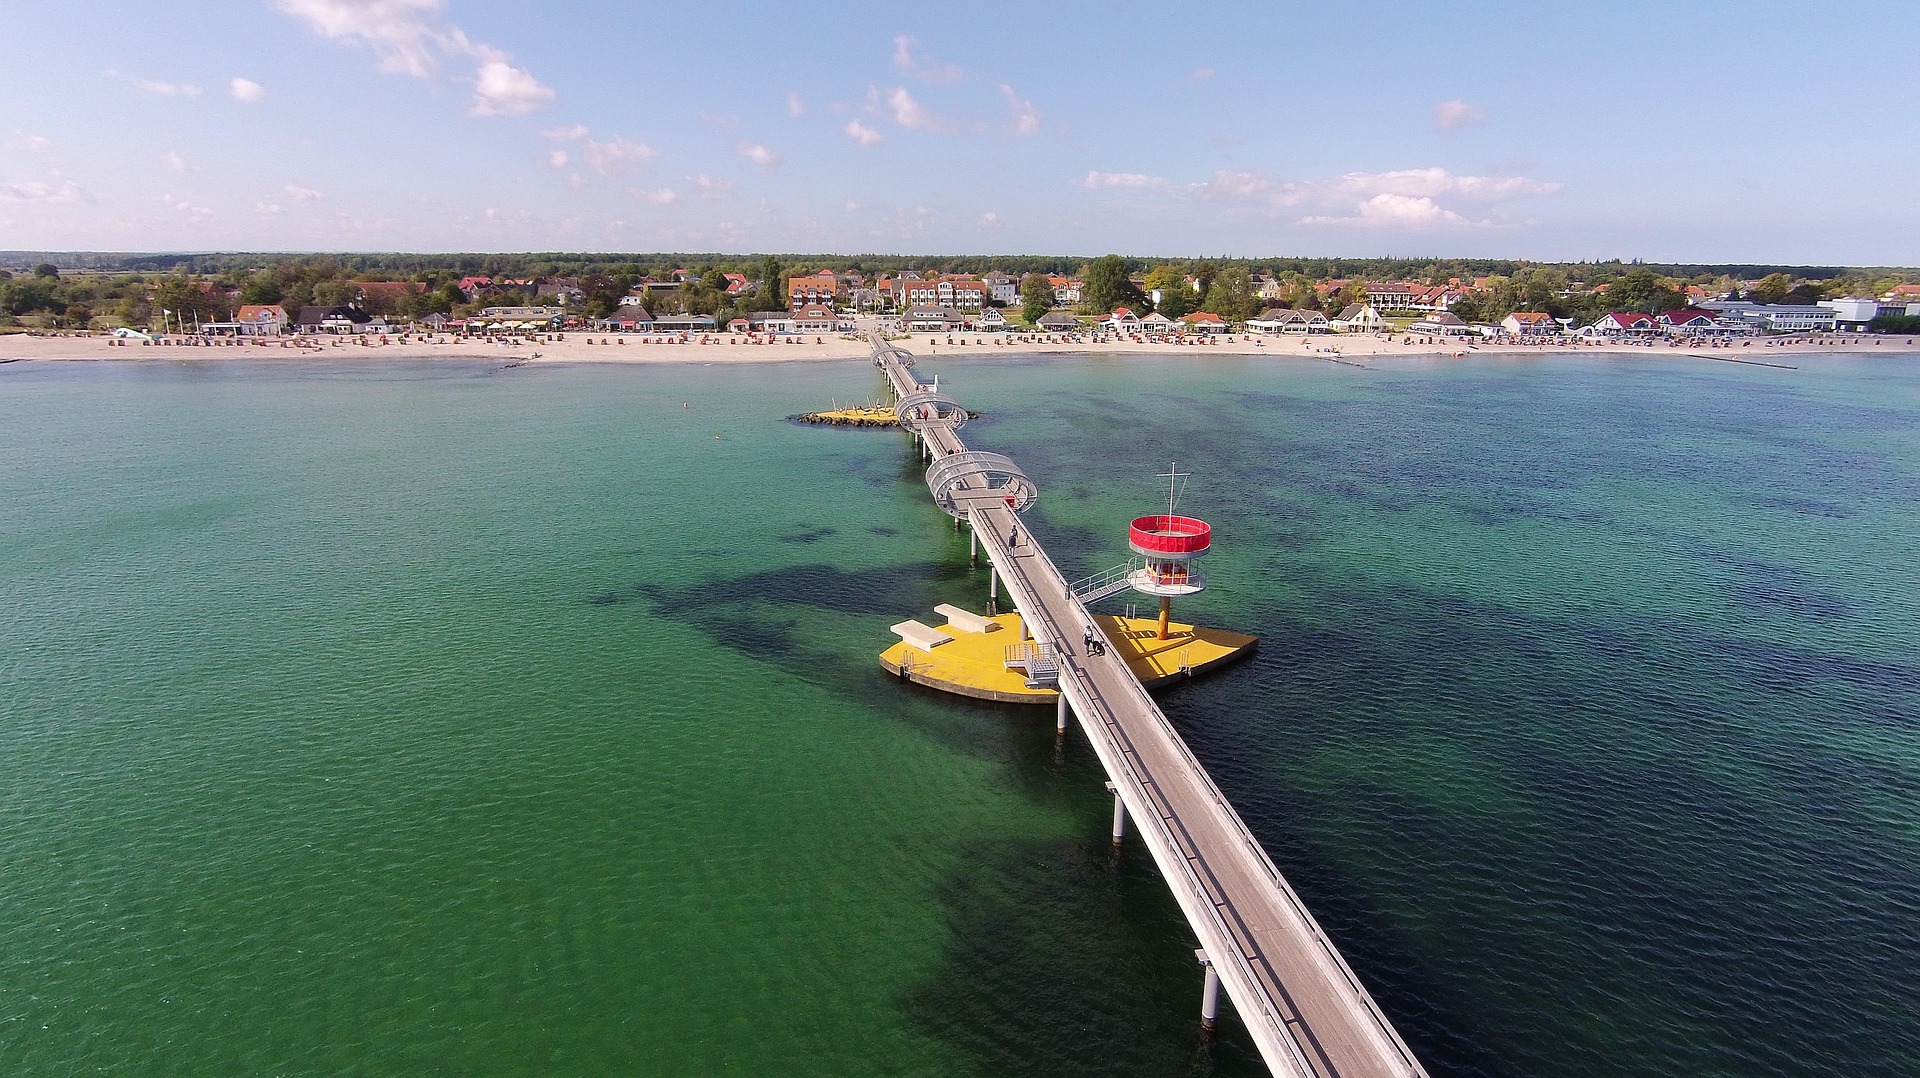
x: 587, y: 348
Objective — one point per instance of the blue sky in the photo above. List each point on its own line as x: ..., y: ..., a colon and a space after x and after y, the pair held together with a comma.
x: 1754, y: 132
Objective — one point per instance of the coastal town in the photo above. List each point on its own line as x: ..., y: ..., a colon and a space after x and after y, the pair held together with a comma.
x: 1108, y: 300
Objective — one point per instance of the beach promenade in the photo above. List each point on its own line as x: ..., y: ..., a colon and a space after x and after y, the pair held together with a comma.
x: 1302, y: 1005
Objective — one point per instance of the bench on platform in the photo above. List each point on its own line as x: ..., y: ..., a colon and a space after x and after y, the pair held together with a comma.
x: 924, y: 637
x: 965, y: 620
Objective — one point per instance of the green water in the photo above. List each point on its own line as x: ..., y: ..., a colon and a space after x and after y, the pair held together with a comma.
x: 434, y: 718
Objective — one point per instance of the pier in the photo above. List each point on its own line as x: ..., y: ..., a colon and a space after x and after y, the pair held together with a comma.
x: 1302, y: 1005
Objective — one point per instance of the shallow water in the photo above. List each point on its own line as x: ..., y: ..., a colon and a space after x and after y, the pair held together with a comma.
x: 431, y: 717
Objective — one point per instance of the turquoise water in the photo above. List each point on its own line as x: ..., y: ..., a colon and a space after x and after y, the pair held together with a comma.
x: 435, y: 718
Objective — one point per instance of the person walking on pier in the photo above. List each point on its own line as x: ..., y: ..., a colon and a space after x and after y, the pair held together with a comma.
x: 1013, y: 536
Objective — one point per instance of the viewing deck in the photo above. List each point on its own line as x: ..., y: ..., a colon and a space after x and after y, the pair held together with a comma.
x: 1303, y: 1006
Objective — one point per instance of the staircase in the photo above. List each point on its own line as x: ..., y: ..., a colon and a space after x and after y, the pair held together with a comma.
x: 1040, y: 662
x: 1094, y: 588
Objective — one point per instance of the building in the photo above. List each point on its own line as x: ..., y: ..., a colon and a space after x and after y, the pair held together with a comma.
x: 953, y: 293
x: 1065, y: 290
x: 346, y: 319
x: 1002, y: 288
x: 931, y: 319
x: 1775, y: 317
x: 1622, y: 324
x: 1443, y: 324
x: 1204, y: 322
x: 1530, y: 324
x: 1157, y: 323
x: 1854, y: 312
x: 1122, y: 320
x: 261, y: 319
x: 685, y: 323
x: 1690, y: 322
x: 1393, y: 295
x: 632, y: 320
x: 522, y: 314
x: 1058, y: 322
x: 815, y: 318
x: 773, y: 321
x: 1357, y: 318
x: 1275, y: 321
x: 990, y: 320
x: 822, y: 288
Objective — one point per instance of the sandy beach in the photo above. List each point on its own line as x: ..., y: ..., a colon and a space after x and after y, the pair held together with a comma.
x: 577, y: 347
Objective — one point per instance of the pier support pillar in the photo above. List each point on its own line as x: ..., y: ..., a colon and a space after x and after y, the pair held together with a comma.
x: 973, y: 547
x: 1119, y: 815
x: 1060, y: 716
x: 1166, y: 614
x: 1210, y: 995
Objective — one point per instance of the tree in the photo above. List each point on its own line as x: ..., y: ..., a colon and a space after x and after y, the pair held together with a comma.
x: 1107, y: 285
x: 1036, y: 296
x: 262, y: 287
x: 1641, y: 289
x: 1230, y: 295
x: 46, y: 269
x: 1773, y: 288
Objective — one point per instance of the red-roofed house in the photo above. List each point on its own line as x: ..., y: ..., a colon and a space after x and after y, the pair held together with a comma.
x: 736, y: 283
x: 1122, y: 320
x: 1204, y: 322
x: 261, y: 319
x: 814, y: 318
x: 822, y: 288
x: 1691, y: 321
x: 1622, y: 324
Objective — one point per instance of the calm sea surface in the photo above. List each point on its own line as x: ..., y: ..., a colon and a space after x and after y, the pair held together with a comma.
x: 403, y: 719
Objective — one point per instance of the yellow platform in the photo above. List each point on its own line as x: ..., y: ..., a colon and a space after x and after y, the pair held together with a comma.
x: 974, y: 664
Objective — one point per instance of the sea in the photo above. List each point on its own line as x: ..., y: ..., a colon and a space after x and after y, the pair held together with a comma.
x: 390, y: 718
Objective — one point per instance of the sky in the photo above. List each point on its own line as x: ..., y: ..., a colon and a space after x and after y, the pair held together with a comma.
x: 1757, y: 132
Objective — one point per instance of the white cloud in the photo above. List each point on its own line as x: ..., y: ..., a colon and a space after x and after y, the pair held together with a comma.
x: 558, y: 158
x: 1201, y: 74
x: 907, y: 112
x: 188, y: 208
x: 64, y: 191
x: 1026, y: 118
x: 268, y: 209
x: 1235, y: 183
x: 1133, y: 180
x: 178, y: 163
x: 303, y: 194
x: 711, y: 187
x: 659, y: 196
x: 246, y: 91
x: 851, y: 206
x: 989, y: 220
x: 1408, y: 199
x: 1433, y: 182
x: 410, y: 37
x: 500, y: 89
x: 156, y: 88
x: 862, y: 134
x: 759, y: 155
x: 566, y: 134
x: 618, y: 154
x: 795, y: 106
x: 34, y: 142
x: 907, y: 63
x: 1451, y: 115
x: 1396, y: 211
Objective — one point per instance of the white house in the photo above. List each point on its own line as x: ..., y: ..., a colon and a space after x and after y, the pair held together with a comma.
x: 1122, y: 320
x: 1622, y: 324
x: 1442, y: 323
x: 1530, y: 324
x: 1357, y: 318
x: 815, y: 318
x: 1275, y: 321
x: 1001, y: 287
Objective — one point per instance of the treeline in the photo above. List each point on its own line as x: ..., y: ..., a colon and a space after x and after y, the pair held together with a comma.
x: 574, y: 264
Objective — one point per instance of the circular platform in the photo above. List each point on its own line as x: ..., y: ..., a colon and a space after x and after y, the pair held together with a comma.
x: 1168, y: 538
